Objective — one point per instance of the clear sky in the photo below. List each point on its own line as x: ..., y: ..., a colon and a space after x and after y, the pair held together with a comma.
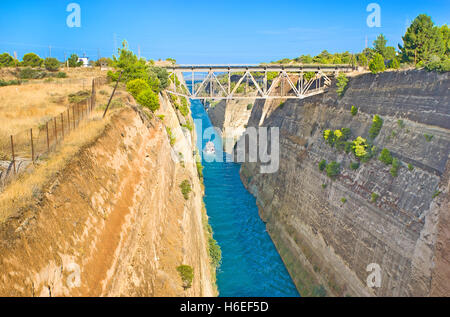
x: 214, y: 31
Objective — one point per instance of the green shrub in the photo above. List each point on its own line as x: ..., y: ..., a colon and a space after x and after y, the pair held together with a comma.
x: 341, y: 83
x: 401, y: 124
x: 31, y: 60
x: 30, y: 73
x: 322, y: 165
x: 214, y: 252
x: 395, y: 167
x: 51, y: 64
x: 79, y: 96
x: 148, y: 99
x: 376, y: 65
x: 6, y: 60
x: 354, y: 111
x: 172, y: 138
x: 346, y: 133
x: 188, y: 126
x: 185, y: 189
x: 436, y: 193
x: 428, y: 137
x: 359, y: 147
x: 199, y: 169
x: 348, y: 147
x: 136, y: 86
x: 186, y: 274
x: 249, y: 106
x: 343, y: 200
x: 333, y: 169
x: 324, y: 186
x: 354, y: 165
x: 386, y: 157
x: 441, y: 66
x: 377, y: 124
x: 410, y: 167
x: 184, y: 108
x: 61, y: 75
x: 9, y: 82
x: 374, y: 197
x: 394, y: 63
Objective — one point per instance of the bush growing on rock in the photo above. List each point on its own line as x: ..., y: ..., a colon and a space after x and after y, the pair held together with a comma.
x: 354, y: 166
x: 377, y: 124
x: 376, y: 65
x: 136, y: 86
x: 386, y: 157
x: 395, y: 167
x: 354, y: 111
x: 342, y: 82
x: 333, y: 169
x: 186, y: 274
x: 148, y: 99
x: 185, y: 189
x: 214, y: 252
x: 322, y: 165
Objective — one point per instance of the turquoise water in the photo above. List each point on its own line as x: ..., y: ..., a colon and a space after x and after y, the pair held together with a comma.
x: 251, y: 266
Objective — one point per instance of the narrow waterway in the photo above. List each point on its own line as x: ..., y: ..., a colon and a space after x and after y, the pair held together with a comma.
x: 251, y: 266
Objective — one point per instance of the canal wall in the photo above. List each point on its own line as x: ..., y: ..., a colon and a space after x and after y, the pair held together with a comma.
x: 114, y: 221
x: 332, y: 233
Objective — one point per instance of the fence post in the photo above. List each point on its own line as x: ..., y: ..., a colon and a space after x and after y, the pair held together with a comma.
x: 48, y: 140
x: 62, y: 125
x: 68, y: 120
x: 56, y: 131
x: 32, y: 145
x: 13, y: 155
x: 73, y: 116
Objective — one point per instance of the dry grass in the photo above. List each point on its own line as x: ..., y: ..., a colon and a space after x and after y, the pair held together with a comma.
x: 21, y: 192
x: 26, y: 106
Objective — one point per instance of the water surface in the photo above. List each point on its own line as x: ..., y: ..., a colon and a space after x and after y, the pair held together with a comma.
x: 251, y: 266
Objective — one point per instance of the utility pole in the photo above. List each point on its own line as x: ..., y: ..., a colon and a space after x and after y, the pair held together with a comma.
x: 139, y: 51
x: 49, y: 51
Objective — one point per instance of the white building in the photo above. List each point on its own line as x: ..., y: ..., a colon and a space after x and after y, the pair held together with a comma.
x: 84, y: 60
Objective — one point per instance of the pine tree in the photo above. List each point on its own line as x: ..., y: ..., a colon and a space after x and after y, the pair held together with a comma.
x: 421, y: 41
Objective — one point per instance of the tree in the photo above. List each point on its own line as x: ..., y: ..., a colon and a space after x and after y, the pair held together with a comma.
x: 362, y: 60
x: 31, y: 60
x: 73, y: 61
x: 379, y: 45
x: 376, y: 65
x: 108, y: 61
x: 422, y: 40
x: 136, y: 86
x: 446, y: 38
x: 51, y: 64
x: 394, y: 63
x: 148, y: 99
x: 6, y: 60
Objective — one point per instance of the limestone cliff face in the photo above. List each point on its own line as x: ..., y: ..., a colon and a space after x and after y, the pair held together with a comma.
x: 327, y: 242
x: 231, y: 118
x: 114, y: 222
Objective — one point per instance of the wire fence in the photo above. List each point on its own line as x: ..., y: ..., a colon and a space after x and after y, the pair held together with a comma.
x: 24, y: 148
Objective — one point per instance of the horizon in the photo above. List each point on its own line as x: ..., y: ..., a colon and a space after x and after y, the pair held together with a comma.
x: 251, y: 32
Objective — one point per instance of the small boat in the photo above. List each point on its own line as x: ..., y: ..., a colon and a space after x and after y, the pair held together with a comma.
x: 210, y: 148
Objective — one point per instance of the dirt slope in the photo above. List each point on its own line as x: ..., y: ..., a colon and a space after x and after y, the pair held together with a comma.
x: 116, y: 215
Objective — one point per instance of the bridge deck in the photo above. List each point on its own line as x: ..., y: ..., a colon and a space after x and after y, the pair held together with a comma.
x: 262, y: 68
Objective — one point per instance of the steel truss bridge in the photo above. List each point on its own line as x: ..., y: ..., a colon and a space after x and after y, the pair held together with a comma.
x: 219, y: 82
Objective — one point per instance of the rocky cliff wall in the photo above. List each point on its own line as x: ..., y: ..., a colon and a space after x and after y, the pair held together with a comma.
x: 328, y: 231
x: 114, y: 222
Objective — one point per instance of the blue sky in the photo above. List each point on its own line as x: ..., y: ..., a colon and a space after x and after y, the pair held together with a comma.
x: 243, y: 31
